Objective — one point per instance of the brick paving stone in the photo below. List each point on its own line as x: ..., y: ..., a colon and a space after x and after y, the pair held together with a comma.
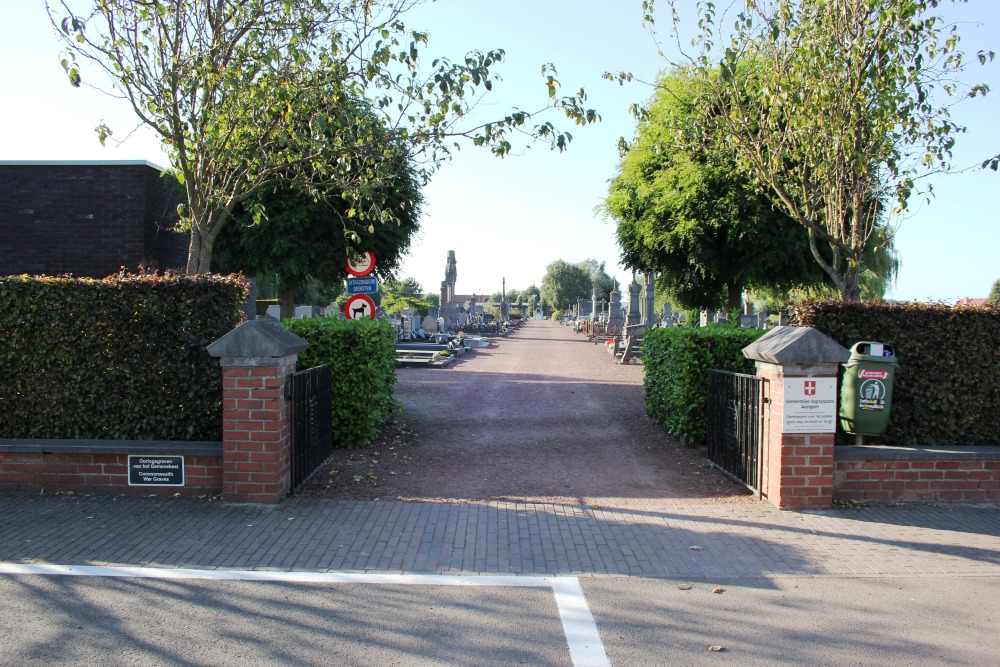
x: 738, y: 541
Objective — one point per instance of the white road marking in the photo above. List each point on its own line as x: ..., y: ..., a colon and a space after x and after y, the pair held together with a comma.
x: 584, y: 641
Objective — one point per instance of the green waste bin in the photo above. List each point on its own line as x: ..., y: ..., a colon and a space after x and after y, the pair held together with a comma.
x: 866, y: 392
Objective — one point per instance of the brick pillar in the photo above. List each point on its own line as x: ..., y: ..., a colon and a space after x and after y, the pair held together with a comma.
x: 798, y: 465
x: 800, y: 414
x: 256, y: 435
x: 257, y: 359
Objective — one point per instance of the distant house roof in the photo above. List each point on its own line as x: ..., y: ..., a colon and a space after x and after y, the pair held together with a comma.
x: 966, y: 301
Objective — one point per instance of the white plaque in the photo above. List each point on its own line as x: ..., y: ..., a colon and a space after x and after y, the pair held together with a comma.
x: 810, y: 405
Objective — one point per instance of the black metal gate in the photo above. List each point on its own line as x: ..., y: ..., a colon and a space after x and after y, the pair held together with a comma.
x: 312, y: 422
x: 736, y: 425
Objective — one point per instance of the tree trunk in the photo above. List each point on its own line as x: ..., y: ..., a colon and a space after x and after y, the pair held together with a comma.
x: 287, y: 301
x: 194, y: 251
x: 734, y: 297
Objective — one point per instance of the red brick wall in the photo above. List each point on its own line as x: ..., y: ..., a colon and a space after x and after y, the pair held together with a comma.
x: 920, y: 481
x: 99, y: 473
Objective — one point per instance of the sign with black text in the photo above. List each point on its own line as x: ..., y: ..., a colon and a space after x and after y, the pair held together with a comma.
x: 146, y: 470
x: 810, y: 405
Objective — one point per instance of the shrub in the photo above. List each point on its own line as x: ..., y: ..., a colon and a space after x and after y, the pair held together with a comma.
x: 677, y: 361
x: 362, y: 358
x: 947, y: 388
x: 120, y: 358
x: 557, y: 315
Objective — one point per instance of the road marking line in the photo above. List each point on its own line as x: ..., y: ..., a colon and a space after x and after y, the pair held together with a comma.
x: 582, y: 637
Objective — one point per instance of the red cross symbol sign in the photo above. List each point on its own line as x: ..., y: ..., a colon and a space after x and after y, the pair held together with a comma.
x: 809, y: 388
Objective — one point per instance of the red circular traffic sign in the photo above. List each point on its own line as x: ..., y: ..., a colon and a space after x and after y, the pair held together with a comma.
x: 359, y: 307
x: 362, y: 265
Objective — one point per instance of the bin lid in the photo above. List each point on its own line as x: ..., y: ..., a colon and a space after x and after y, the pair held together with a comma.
x: 871, y: 351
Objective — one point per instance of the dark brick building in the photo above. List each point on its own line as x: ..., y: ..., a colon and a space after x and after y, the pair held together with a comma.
x: 87, y: 218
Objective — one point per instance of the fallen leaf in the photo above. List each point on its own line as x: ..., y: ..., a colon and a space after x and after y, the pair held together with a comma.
x: 684, y: 587
x: 696, y: 548
x: 716, y: 648
x: 718, y: 590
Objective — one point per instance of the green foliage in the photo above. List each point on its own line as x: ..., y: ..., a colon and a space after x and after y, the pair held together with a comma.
x: 947, y: 387
x: 677, y: 361
x: 836, y: 109
x: 685, y: 212
x: 362, y: 357
x: 994, y: 296
x: 285, y: 232
x: 254, y: 93
x: 557, y: 315
x: 121, y: 358
x: 564, y: 283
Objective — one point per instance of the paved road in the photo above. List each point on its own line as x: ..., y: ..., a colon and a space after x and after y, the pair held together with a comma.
x: 656, y: 582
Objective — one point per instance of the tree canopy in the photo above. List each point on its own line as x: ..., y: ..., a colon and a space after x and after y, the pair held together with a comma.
x: 246, y: 94
x: 836, y: 109
x: 686, y: 212
x: 564, y: 283
x: 287, y: 233
x: 994, y: 296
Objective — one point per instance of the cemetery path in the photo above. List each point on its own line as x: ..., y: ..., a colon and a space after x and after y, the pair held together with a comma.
x: 542, y: 415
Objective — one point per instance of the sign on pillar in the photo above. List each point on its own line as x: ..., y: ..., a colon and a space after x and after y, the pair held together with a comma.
x: 810, y: 405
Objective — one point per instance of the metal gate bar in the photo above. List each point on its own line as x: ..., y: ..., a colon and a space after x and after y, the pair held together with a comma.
x: 312, y: 422
x: 736, y: 426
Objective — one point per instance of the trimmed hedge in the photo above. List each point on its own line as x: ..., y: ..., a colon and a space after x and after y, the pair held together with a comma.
x: 121, y: 358
x: 677, y: 361
x: 362, y: 358
x: 947, y: 388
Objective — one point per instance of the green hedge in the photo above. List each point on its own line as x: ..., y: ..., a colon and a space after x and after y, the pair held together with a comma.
x: 120, y: 358
x: 947, y: 388
x: 362, y: 357
x: 677, y: 361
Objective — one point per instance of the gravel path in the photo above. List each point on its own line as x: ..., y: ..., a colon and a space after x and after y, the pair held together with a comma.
x: 542, y: 415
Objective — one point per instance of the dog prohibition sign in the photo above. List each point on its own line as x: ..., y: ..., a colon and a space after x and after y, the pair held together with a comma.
x: 359, y: 307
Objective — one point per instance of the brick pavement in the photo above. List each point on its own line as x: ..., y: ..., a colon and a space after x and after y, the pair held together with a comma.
x: 687, y: 540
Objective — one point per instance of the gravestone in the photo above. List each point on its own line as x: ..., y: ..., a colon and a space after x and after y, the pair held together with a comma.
x: 634, y: 316
x: 615, y: 308
x: 429, y: 324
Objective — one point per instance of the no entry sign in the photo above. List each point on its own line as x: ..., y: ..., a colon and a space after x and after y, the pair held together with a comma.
x: 359, y: 307
x: 361, y: 265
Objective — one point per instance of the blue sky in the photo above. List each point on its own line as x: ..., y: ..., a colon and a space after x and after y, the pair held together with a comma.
x: 511, y: 217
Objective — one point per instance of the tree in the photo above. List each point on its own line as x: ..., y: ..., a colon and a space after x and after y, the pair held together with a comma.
x: 836, y: 108
x: 284, y: 232
x: 563, y: 284
x: 994, y: 296
x: 685, y: 212
x: 247, y: 94
x: 600, y: 281
x: 396, y: 295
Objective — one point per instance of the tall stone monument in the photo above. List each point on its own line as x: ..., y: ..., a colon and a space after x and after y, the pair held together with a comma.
x: 634, y: 316
x: 449, y: 309
x: 648, y: 297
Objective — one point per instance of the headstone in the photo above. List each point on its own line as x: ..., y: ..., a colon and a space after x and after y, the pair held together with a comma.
x: 615, y: 308
x: 648, y: 297
x: 429, y: 324
x: 274, y: 311
x: 634, y: 316
x: 303, y: 311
